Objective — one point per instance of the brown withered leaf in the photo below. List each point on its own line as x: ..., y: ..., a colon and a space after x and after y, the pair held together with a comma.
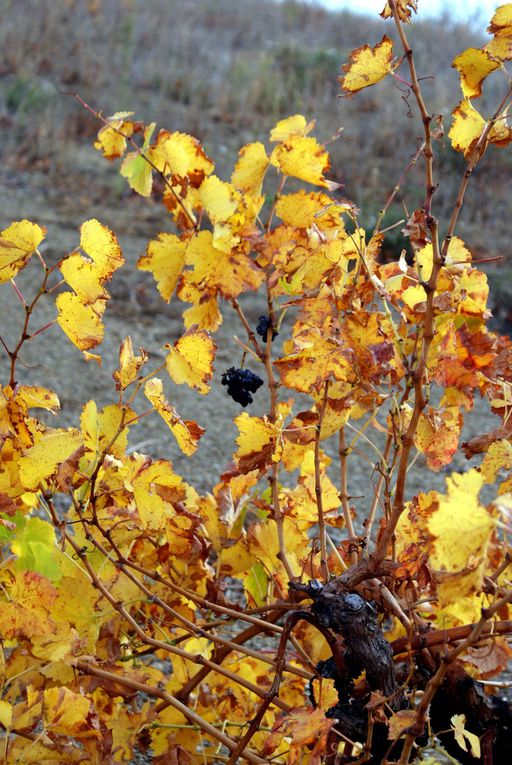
x: 416, y: 229
x: 490, y: 660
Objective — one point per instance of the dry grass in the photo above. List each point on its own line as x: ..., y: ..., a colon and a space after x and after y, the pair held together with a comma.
x: 226, y: 70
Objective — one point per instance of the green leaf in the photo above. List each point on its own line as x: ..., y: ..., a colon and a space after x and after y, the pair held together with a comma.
x: 34, y: 545
x: 256, y: 583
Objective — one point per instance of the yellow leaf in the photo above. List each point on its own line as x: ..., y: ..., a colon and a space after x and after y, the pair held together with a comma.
x: 461, y: 528
x: 500, y: 47
x: 154, y: 489
x: 109, y: 141
x: 5, y: 714
x: 467, y: 741
x: 264, y: 546
x: 501, y: 27
x: 136, y: 168
x: 87, y: 275
x: 498, y: 457
x: 65, y: 713
x: 414, y: 297
x: 81, y: 323
x: 190, y: 360
x: 101, y: 245
x: 204, y: 315
x: 186, y: 432
x: 220, y: 199
x: 295, y: 125
x: 325, y: 694
x: 164, y: 258
x: 474, y: 65
x: 215, y: 271
x: 250, y: 169
x: 304, y: 158
x: 304, y: 210
x: 17, y: 243
x: 129, y: 364
x: 31, y: 599
x: 41, y: 461
x: 317, y: 357
x: 467, y: 127
x: 367, y: 66
x: 37, y: 397
x: 259, y: 443
x: 104, y: 430
x: 79, y: 612
x: 181, y: 156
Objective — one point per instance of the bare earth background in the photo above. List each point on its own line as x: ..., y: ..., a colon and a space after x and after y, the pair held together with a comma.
x: 225, y: 71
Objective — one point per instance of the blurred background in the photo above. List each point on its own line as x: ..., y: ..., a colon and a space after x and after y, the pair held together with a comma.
x: 225, y: 71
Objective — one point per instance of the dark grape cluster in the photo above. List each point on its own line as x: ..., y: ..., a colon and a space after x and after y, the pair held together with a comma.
x: 241, y: 383
x: 264, y: 324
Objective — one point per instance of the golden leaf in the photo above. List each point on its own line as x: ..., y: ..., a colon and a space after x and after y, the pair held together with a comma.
x: 164, y: 258
x: 65, y: 713
x: 101, y: 245
x: 27, y: 613
x: 295, y: 125
x: 81, y: 323
x: 467, y: 127
x: 501, y: 27
x: 304, y: 210
x: 190, y: 360
x: 325, y: 694
x: 41, y: 461
x: 317, y: 357
x: 259, y: 443
x: 220, y: 199
x: 215, y: 271
x: 367, y: 66
x: 304, y: 158
x: 80, y: 313
x: 129, y: 364
x: 250, y: 169
x: 467, y: 741
x: 302, y: 727
x: 5, y: 714
x: 186, y: 432
x: 474, y: 65
x: 37, y: 397
x: 498, y: 457
x: 105, y: 429
x: 437, y: 435
x: 109, y: 141
x: 17, y: 244
x: 461, y: 528
x: 155, y: 488
x: 400, y: 721
x: 181, y: 156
